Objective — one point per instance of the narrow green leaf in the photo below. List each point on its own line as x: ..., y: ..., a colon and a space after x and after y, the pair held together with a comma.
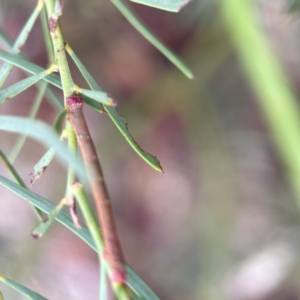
x: 113, y: 114
x: 58, y: 8
x: 83, y: 70
x: 42, y: 165
x: 46, y: 159
x: 170, y: 5
x: 28, y: 293
x: 5, y: 39
x: 275, y: 97
x: 18, y: 179
x: 34, y: 69
x: 134, y: 281
x: 12, y: 170
x: 122, y: 126
x: 1, y: 296
x: 103, y: 283
x: 6, y: 67
x: 45, y: 134
x: 21, y: 86
x: 148, y: 35
x: 51, y: 95
x: 44, y: 225
x: 32, y: 114
x: 98, y: 96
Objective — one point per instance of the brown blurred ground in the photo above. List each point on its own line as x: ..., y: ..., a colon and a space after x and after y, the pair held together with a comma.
x: 221, y: 222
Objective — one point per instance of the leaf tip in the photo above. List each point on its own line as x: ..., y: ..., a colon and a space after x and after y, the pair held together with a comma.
x: 183, y: 5
x: 112, y: 102
x: 36, y: 235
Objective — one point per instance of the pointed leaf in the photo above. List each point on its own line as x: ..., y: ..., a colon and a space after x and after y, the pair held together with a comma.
x: 28, y: 293
x: 46, y: 159
x: 113, y: 114
x: 21, y: 86
x: 148, y: 35
x: 18, y: 179
x: 34, y: 69
x: 45, y: 224
x: 32, y: 114
x: 6, y: 67
x: 133, y: 279
x: 42, y: 165
x: 98, y: 96
x: 170, y: 5
x: 45, y: 134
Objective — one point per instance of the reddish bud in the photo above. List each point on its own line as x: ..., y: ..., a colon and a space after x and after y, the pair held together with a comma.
x: 74, y: 102
x: 118, y: 276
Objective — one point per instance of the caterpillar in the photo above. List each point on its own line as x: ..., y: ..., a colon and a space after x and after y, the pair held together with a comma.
x: 113, y: 250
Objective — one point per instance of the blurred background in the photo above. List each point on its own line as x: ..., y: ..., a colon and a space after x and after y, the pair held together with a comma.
x: 222, y: 221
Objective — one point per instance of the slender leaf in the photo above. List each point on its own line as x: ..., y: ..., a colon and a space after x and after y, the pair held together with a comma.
x: 170, y: 5
x: 28, y: 293
x: 5, y: 39
x: 103, y: 283
x: 51, y: 95
x: 21, y: 86
x: 32, y: 114
x: 45, y: 134
x: 148, y: 35
x: 18, y: 179
x: 275, y: 96
x: 83, y: 70
x: 12, y: 170
x: 113, y: 114
x: 98, y: 96
x: 34, y: 69
x: 46, y: 159
x: 42, y: 165
x: 134, y: 281
x: 45, y: 224
x: 6, y: 67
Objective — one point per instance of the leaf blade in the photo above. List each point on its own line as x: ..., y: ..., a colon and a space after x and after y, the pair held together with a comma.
x: 134, y: 280
x: 39, y: 130
x: 28, y: 293
x: 169, y: 5
x: 21, y: 86
x: 34, y: 69
x: 135, y: 21
x: 118, y: 120
x: 21, y: 39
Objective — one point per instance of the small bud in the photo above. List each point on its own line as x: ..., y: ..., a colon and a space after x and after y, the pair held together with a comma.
x: 74, y: 102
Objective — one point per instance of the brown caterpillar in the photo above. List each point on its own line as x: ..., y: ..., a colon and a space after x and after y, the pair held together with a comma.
x: 113, y: 250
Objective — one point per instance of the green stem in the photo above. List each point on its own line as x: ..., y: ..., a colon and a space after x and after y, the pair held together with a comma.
x: 59, y: 48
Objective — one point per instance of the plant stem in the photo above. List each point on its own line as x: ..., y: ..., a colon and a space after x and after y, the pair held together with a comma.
x: 59, y: 49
